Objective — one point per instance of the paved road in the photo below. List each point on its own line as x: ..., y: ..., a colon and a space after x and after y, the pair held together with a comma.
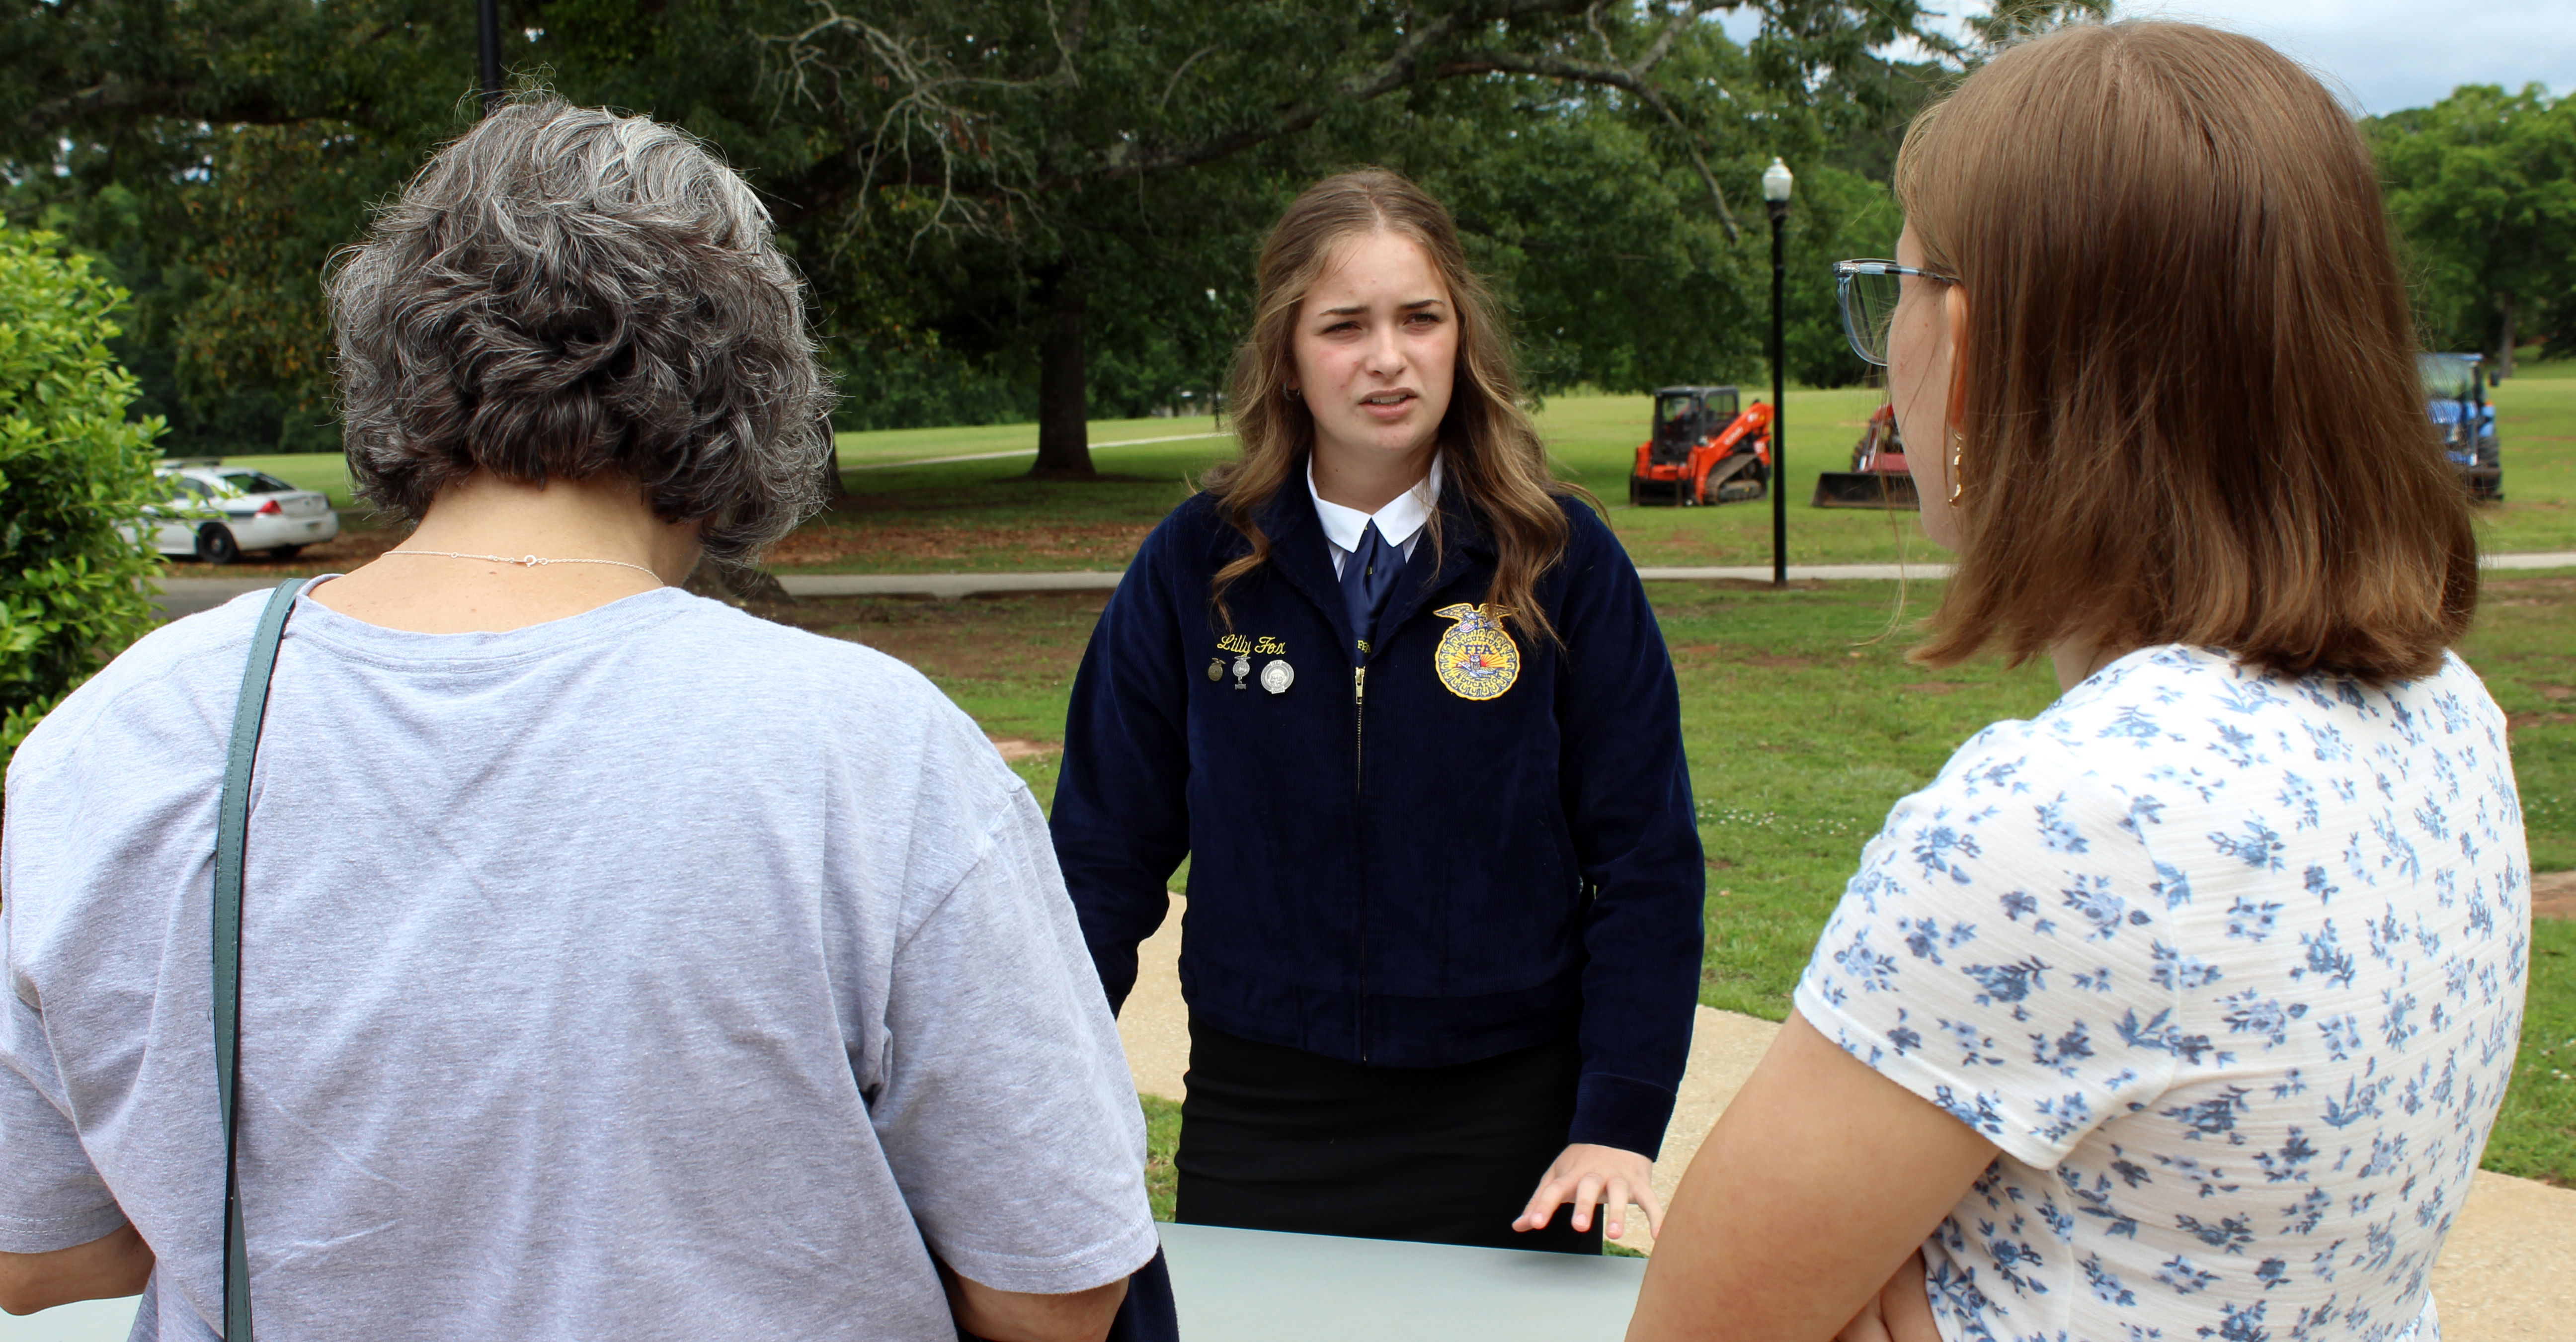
x: 186, y: 596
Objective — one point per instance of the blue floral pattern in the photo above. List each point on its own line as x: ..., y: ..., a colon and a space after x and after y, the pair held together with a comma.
x: 2230, y: 967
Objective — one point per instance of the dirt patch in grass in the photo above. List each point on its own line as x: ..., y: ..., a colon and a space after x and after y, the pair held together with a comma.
x: 2553, y: 895
x: 1705, y: 585
x: 840, y: 542
x: 2551, y: 591
x: 1039, y: 635
x: 1016, y: 748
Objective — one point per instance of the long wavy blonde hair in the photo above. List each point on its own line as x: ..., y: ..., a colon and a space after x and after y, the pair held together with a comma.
x: 1487, y: 442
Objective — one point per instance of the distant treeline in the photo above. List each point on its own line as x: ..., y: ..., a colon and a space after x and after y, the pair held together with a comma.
x: 998, y: 212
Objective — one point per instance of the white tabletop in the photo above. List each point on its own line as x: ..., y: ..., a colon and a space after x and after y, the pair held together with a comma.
x: 1256, y: 1286
x: 88, y: 1321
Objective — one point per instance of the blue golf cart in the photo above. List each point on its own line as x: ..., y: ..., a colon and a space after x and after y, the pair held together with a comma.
x: 2455, y: 393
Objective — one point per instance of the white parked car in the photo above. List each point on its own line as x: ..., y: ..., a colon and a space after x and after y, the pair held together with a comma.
x: 217, y: 512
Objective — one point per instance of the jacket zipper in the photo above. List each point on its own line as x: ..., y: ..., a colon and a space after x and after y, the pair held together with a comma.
x: 1359, y: 713
x: 1359, y: 746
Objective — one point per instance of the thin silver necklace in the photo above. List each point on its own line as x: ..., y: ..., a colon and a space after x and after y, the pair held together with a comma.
x: 527, y: 561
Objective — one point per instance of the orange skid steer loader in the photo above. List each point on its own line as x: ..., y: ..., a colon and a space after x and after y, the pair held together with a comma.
x: 1702, y: 451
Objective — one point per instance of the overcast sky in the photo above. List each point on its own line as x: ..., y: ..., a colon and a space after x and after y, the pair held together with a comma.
x: 2385, y: 54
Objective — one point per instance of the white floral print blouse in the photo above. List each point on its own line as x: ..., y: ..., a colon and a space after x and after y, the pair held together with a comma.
x: 2230, y: 966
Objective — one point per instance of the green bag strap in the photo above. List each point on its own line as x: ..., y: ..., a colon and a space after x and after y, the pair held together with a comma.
x: 232, y: 829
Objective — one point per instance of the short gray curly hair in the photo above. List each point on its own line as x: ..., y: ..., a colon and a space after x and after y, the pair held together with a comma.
x: 564, y: 293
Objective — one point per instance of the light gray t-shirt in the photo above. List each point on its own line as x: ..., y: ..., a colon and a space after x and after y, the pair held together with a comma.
x: 660, y: 972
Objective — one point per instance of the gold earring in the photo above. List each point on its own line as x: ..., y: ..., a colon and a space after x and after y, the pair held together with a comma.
x: 1957, y: 440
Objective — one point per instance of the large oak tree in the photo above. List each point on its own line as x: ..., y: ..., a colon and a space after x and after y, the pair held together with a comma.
x: 2483, y: 186
x: 1075, y: 184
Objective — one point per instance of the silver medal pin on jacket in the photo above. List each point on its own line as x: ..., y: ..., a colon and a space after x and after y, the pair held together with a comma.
x: 1278, y: 676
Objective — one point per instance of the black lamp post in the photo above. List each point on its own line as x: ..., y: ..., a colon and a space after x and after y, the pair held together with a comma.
x: 1776, y: 182
x: 487, y: 19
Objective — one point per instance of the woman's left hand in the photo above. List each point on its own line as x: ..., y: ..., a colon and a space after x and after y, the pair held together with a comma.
x: 1586, y: 1175
x: 1900, y: 1312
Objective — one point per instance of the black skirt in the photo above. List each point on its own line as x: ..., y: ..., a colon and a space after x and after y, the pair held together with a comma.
x: 1277, y: 1138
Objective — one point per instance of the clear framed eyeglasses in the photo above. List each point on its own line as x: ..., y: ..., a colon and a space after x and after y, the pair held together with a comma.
x: 1867, y: 291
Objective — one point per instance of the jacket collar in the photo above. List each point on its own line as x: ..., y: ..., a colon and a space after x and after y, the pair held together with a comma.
x: 1399, y: 521
x: 1299, y: 551
x: 1464, y: 543
x: 1302, y: 556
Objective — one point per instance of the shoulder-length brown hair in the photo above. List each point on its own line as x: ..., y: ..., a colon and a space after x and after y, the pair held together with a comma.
x: 2188, y: 407
x: 1487, y: 443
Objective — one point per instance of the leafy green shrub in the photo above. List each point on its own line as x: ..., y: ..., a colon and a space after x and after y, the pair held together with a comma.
x: 74, y: 480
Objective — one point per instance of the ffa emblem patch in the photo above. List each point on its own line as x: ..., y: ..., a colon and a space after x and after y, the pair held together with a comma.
x: 1476, y: 659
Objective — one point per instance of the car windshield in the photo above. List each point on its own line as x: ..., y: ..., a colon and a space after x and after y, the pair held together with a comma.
x: 253, y: 482
x: 2446, y: 375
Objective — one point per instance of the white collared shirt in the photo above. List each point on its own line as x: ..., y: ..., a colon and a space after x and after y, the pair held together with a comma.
x: 1399, y: 523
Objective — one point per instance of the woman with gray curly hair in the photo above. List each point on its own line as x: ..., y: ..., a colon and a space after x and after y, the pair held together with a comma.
x: 612, y: 963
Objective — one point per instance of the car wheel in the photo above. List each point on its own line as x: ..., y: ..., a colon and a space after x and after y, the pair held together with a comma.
x: 215, y: 544
x: 286, y: 552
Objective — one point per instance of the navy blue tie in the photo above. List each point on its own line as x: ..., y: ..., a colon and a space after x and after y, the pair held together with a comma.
x: 1367, y: 577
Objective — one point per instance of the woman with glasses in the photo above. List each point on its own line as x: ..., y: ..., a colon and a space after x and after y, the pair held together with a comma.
x: 2184, y: 1008
x: 1397, y: 694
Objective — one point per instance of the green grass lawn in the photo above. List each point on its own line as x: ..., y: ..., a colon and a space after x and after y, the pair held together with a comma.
x: 2536, y: 1135
x: 987, y: 516
x: 2536, y: 427
x: 1162, y: 1138
x: 1804, y: 724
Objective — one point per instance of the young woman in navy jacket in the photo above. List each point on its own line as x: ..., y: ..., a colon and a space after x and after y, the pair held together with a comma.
x: 1398, y: 696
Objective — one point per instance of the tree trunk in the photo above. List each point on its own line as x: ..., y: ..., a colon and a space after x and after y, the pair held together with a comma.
x: 2505, y: 336
x: 737, y: 586
x: 1064, y: 401
x: 835, y: 488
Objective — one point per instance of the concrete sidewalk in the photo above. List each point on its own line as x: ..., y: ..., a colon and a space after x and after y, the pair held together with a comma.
x: 186, y: 596
x: 2508, y: 1270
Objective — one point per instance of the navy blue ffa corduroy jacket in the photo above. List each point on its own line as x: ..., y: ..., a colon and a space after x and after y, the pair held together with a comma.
x: 1383, y: 869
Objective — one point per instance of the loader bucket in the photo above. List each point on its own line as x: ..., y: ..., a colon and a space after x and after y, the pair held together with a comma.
x: 1866, y: 489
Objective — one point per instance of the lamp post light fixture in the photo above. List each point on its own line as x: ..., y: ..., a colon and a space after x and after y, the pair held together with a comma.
x: 1776, y: 183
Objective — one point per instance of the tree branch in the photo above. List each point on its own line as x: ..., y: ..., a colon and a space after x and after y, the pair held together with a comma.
x: 1175, y: 81
x: 1400, y: 68
x: 1630, y: 81
x: 117, y: 97
x: 1663, y: 43
x: 923, y: 111
x: 1068, y: 39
